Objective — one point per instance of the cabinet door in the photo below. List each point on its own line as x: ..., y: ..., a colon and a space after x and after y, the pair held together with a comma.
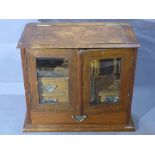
x: 52, y: 76
x: 106, y: 77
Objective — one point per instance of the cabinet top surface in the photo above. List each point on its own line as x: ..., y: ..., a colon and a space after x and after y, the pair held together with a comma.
x: 78, y: 35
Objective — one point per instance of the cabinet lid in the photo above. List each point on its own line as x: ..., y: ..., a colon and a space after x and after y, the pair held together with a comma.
x: 78, y: 35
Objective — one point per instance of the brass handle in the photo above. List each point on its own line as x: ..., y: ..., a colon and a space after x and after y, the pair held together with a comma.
x: 49, y: 101
x: 52, y: 89
x: 79, y: 117
x: 49, y: 88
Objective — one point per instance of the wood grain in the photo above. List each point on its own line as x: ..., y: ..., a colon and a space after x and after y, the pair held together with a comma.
x: 131, y: 85
x: 26, y: 85
x: 96, y: 35
x: 78, y: 127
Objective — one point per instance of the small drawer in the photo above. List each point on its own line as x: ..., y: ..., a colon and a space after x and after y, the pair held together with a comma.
x: 53, y: 85
x: 54, y: 99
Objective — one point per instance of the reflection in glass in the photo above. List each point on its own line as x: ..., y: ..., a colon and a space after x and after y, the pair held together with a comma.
x: 105, y: 81
x: 53, y: 67
x: 52, y: 76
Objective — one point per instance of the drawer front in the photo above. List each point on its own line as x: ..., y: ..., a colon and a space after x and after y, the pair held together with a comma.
x: 53, y: 85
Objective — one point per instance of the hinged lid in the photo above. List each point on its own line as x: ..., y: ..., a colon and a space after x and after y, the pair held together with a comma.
x: 78, y: 35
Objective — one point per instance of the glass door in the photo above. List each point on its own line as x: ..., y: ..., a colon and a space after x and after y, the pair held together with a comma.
x: 52, y: 77
x: 106, y: 80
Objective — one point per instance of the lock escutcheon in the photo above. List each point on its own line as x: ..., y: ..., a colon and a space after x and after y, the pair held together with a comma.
x: 79, y: 117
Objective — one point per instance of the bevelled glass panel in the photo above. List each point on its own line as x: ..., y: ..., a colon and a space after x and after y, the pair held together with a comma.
x: 52, y: 74
x: 105, y: 81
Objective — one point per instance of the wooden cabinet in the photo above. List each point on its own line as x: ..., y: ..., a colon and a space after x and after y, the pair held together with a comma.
x: 78, y: 76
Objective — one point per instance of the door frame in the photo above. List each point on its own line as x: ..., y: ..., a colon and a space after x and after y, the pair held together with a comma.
x: 70, y: 54
x: 92, y: 54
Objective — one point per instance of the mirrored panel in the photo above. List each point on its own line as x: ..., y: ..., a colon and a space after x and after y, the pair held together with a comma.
x: 52, y: 74
x: 105, y: 81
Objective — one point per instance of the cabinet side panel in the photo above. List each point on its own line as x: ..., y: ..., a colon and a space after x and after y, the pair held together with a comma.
x: 132, y: 75
x: 26, y: 84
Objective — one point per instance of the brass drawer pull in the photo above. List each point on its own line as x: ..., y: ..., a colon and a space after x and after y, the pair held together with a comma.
x: 79, y: 117
x: 49, y: 88
x: 49, y: 101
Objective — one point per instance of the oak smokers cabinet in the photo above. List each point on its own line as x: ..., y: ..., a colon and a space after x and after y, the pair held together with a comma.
x: 78, y: 76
